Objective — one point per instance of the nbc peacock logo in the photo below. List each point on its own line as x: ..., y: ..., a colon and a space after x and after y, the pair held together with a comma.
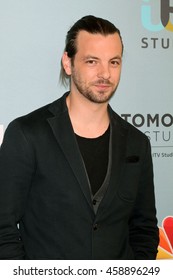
x: 165, y: 249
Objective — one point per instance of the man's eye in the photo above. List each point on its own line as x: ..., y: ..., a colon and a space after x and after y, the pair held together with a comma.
x: 115, y: 62
x: 91, y: 61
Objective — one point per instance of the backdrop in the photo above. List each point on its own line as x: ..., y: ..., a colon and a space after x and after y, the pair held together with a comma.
x: 32, y: 35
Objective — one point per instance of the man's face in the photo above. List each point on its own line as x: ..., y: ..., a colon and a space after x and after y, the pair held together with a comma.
x: 96, y: 68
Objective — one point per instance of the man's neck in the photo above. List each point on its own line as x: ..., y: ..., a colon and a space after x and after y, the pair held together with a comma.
x: 88, y: 119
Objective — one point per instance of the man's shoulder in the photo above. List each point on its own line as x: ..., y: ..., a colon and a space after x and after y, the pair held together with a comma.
x: 37, y: 119
x: 44, y: 112
x: 131, y: 130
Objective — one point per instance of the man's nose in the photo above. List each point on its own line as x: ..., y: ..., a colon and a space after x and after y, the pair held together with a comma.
x: 103, y: 71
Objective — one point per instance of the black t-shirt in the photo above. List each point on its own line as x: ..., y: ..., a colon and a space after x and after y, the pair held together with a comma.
x: 95, y: 152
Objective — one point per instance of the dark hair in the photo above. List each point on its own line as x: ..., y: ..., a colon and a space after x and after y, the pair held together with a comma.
x: 92, y: 25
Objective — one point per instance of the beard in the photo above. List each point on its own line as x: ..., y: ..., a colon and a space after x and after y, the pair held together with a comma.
x: 99, y: 97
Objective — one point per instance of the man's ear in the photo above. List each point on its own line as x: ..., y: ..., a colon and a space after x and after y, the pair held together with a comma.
x: 66, y: 62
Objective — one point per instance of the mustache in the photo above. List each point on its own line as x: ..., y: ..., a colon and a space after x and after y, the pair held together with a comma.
x: 102, y: 82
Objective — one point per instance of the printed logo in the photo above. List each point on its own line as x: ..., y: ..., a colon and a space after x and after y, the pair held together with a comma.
x: 1, y: 133
x: 165, y: 249
x: 164, y: 20
x: 157, y: 127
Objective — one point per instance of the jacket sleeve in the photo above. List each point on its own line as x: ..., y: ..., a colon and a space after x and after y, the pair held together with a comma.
x: 16, y: 171
x: 144, y: 233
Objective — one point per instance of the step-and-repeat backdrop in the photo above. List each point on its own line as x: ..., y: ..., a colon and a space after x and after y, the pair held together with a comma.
x: 32, y: 35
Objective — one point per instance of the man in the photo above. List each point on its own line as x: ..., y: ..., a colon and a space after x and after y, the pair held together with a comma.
x: 76, y: 179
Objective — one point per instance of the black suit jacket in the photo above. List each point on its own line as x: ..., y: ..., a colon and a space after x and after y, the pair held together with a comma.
x: 44, y: 189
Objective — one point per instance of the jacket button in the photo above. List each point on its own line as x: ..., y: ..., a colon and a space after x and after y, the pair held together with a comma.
x: 94, y: 202
x: 95, y: 226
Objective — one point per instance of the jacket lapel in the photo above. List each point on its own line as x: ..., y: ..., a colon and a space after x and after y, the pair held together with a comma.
x: 118, y: 151
x: 63, y: 132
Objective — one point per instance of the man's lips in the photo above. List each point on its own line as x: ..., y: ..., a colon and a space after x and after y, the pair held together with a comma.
x: 103, y: 86
x: 102, y: 83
